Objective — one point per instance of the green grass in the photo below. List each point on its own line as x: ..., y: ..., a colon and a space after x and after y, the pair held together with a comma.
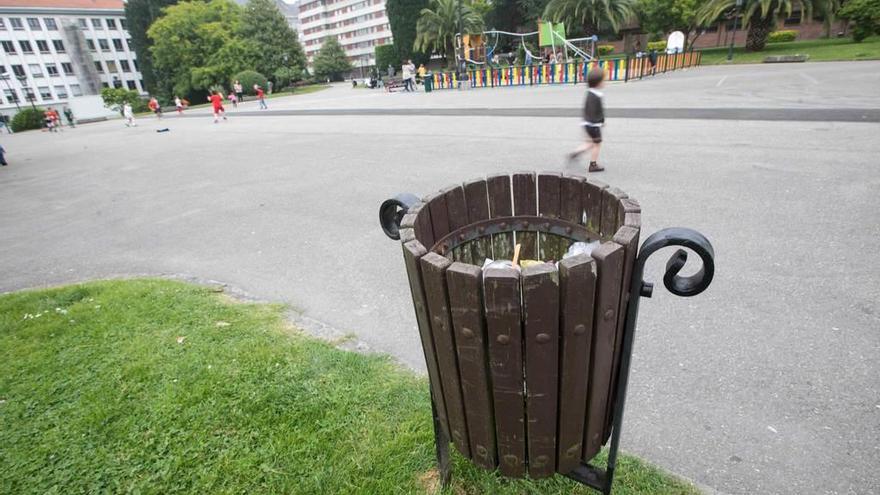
x: 302, y: 90
x: 154, y: 386
x: 821, y: 50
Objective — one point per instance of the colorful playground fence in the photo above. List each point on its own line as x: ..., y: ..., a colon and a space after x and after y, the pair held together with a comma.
x: 621, y: 69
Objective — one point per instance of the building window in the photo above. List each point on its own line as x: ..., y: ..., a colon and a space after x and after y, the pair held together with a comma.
x: 25, y: 46
x: 96, y: 24
x: 82, y: 23
x: 43, y: 46
x: 45, y: 93
x: 2, y: 69
x: 99, y: 67
x: 136, y: 66
x: 131, y: 85
x: 16, y: 24
x: 61, y: 92
x: 18, y: 70
x: 75, y: 90
x: 59, y: 46
x: 111, y: 24
x: 130, y: 46
x: 124, y: 65
x: 8, y: 47
x: 2, y: 25
x: 50, y: 23
x: 11, y: 95
x: 52, y: 70
x: 36, y: 70
x: 91, y: 45
x: 34, y: 24
x: 116, y: 82
x: 123, y: 24
x: 111, y: 67
x: 117, y: 45
x: 67, y: 67
x: 105, y: 85
x: 105, y: 45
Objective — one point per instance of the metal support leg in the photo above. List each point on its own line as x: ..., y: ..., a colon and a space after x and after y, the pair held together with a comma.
x: 441, y: 441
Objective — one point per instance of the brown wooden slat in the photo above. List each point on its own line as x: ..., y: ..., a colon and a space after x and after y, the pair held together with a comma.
x: 434, y: 279
x: 413, y: 251
x: 609, y: 268
x: 423, y: 229
x: 477, y: 199
x: 628, y: 237
x: 500, y: 205
x: 439, y: 216
x: 577, y: 285
x: 610, y: 207
x: 525, y: 203
x: 466, y: 303
x: 628, y: 206
x: 549, y: 206
x: 571, y: 206
x: 540, y: 296
x: 501, y: 289
x: 456, y: 209
x: 592, y: 204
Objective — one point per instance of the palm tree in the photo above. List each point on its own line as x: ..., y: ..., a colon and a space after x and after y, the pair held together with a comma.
x: 594, y: 15
x: 759, y: 16
x: 828, y: 9
x: 438, y: 25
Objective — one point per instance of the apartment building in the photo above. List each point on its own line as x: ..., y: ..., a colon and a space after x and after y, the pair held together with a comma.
x: 54, y: 50
x: 359, y: 25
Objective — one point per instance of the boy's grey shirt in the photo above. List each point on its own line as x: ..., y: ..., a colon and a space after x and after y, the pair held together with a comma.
x: 594, y: 112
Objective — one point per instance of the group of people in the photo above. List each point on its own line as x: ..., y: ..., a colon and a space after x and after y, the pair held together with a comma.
x: 52, y: 119
x: 215, y: 98
x: 409, y: 73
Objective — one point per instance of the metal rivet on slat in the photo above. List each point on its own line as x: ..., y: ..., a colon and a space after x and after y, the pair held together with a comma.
x: 542, y: 460
x: 503, y: 339
x: 511, y: 460
x: 573, y: 451
x: 503, y: 225
x: 609, y: 313
x: 525, y: 224
x: 482, y: 451
x: 438, y: 320
x: 542, y: 338
x: 481, y: 229
x: 580, y: 329
x: 467, y: 332
x: 461, y: 237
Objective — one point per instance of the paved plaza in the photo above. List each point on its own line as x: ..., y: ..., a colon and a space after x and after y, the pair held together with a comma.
x: 769, y: 382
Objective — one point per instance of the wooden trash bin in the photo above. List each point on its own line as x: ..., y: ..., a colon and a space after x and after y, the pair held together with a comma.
x: 528, y: 366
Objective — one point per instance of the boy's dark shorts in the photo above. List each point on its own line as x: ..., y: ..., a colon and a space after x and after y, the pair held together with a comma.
x: 594, y: 132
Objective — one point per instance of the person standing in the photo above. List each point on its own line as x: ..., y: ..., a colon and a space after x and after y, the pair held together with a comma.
x: 239, y: 91
x: 234, y: 99
x: 68, y: 114
x: 421, y: 73
x: 269, y: 86
x: 594, y: 119
x: 406, y: 75
x: 128, y: 114
x: 217, y: 105
x: 261, y: 97
x: 3, y: 157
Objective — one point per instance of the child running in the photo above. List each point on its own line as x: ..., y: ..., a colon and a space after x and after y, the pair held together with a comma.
x: 217, y: 103
x: 155, y: 107
x: 594, y: 119
x: 234, y: 99
x: 261, y: 96
x: 128, y: 114
x: 178, y: 103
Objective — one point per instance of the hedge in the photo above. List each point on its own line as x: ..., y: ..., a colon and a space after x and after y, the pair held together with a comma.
x: 26, y: 119
x: 387, y: 55
x: 605, y: 49
x: 660, y: 46
x: 782, y: 36
x: 248, y: 78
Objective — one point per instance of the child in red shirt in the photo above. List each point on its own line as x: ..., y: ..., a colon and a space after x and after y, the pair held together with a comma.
x: 261, y: 97
x: 217, y: 104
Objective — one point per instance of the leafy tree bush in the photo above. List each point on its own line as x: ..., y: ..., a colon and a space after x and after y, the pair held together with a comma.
x: 263, y: 24
x: 758, y: 16
x: 115, y: 98
x: 139, y: 16
x: 782, y: 36
x: 331, y: 62
x: 27, y: 119
x: 593, y: 16
x: 865, y: 15
x: 285, y: 77
x: 666, y: 16
x: 605, y: 49
x: 248, y: 78
x: 403, y: 16
x: 435, y: 31
x: 657, y: 45
x: 387, y: 55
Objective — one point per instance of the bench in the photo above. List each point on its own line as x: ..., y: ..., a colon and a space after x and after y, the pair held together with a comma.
x: 781, y: 59
x: 528, y: 367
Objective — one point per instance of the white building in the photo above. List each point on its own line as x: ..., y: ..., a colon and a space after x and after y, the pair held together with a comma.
x: 290, y: 11
x: 359, y: 25
x: 54, y: 50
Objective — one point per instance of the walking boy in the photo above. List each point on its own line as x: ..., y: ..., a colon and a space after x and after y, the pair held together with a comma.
x: 594, y: 119
x: 261, y: 96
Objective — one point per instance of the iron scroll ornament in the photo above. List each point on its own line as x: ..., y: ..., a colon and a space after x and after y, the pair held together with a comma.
x: 391, y: 213
x: 679, y: 285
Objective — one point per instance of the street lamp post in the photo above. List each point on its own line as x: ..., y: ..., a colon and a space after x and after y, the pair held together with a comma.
x: 459, y: 63
x: 5, y: 78
x: 286, y: 58
x: 739, y: 4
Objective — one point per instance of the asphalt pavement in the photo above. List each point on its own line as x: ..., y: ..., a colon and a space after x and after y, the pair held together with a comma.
x: 767, y: 383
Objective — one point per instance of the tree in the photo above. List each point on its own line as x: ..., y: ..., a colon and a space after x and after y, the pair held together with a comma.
x: 265, y: 25
x: 190, y: 46
x: 386, y: 55
x: 865, y: 14
x: 828, y: 10
x: 665, y: 16
x: 438, y: 25
x: 331, y: 62
x: 594, y: 16
x: 759, y: 16
x: 139, y: 16
x: 403, y: 16
x: 115, y: 98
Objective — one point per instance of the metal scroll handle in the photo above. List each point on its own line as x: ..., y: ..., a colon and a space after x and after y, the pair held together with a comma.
x: 392, y: 211
x: 685, y: 286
